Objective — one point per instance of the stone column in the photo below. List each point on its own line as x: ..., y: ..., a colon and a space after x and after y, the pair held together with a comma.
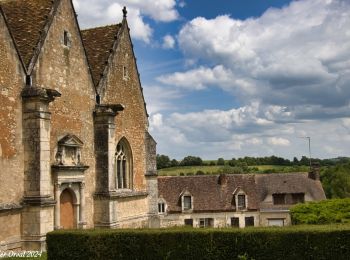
x: 39, y: 203
x: 105, y: 146
x: 36, y: 141
x: 57, y: 206
x: 104, y: 127
x: 151, y: 180
x: 82, y: 222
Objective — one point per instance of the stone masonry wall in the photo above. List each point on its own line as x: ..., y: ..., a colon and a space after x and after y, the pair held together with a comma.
x: 65, y: 69
x: 10, y: 233
x: 132, y: 122
x: 11, y: 149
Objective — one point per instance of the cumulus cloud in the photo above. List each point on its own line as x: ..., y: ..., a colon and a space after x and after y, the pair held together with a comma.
x: 92, y: 13
x: 168, y: 42
x: 160, y: 98
x: 294, y: 57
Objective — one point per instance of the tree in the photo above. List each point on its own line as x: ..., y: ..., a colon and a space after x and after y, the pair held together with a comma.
x: 191, y: 161
x: 336, y: 181
x: 163, y: 161
x: 220, y: 161
x: 295, y: 161
x: 174, y: 163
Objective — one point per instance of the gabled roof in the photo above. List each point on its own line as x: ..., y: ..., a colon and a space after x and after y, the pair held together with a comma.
x: 208, y: 194
x: 99, y: 44
x: 215, y: 193
x: 283, y: 183
x: 26, y: 20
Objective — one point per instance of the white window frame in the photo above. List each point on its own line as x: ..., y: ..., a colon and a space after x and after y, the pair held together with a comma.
x: 241, y: 193
x: 186, y: 195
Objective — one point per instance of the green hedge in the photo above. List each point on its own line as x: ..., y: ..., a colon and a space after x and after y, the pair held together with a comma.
x: 302, y: 242
x: 323, y: 212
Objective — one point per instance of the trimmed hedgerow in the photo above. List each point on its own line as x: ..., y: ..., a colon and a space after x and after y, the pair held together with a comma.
x: 323, y: 212
x: 302, y: 242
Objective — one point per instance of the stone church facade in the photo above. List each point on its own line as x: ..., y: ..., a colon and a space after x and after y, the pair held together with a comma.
x: 75, y: 151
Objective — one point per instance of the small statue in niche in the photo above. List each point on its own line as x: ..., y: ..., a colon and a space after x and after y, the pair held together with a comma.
x: 59, y: 157
x: 78, y: 157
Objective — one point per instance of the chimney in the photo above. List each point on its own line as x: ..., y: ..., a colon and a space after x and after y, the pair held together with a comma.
x: 314, y: 173
x: 223, y: 179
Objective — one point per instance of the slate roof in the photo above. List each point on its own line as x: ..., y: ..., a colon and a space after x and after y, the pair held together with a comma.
x: 26, y: 20
x: 98, y: 44
x: 210, y: 193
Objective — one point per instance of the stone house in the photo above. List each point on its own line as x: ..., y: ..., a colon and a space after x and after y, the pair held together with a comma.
x: 237, y: 200
x: 75, y: 151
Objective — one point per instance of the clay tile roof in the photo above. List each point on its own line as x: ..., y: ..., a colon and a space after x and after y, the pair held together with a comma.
x: 210, y: 194
x: 98, y: 42
x: 26, y: 20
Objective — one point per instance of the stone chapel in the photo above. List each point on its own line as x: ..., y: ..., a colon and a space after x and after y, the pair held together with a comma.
x: 75, y: 151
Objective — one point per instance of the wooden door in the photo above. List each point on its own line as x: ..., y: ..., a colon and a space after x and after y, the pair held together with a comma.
x: 67, y: 210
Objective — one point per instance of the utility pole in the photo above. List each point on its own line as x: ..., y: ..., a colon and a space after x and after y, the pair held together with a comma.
x: 309, y: 139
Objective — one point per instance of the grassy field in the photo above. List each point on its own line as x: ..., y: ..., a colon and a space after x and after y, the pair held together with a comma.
x: 192, y: 170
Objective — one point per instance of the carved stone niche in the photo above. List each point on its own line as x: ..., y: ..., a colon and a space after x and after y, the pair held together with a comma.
x: 69, y: 151
x: 69, y: 167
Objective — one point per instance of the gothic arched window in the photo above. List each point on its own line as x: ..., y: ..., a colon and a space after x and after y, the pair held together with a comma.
x: 123, y: 165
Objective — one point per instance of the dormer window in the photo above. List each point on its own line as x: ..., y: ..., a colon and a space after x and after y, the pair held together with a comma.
x: 279, y: 199
x: 161, y: 205
x: 187, y: 205
x: 241, y: 202
x: 240, y: 199
x: 186, y: 200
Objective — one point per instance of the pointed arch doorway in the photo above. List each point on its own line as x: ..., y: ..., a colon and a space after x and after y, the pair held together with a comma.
x: 67, y: 210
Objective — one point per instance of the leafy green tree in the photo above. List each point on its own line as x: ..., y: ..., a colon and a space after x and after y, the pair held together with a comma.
x: 336, y: 181
x: 191, y: 161
x: 163, y: 161
x: 174, y: 163
x: 220, y: 161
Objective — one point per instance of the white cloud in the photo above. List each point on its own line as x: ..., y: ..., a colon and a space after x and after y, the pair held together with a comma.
x: 168, y: 42
x: 278, y: 141
x: 295, y: 56
x: 92, y: 13
x: 199, y: 78
x: 140, y: 30
x: 160, y: 98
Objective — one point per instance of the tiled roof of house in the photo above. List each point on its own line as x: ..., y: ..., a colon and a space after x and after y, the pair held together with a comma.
x: 287, y: 183
x: 26, y: 20
x: 210, y: 193
x: 98, y: 43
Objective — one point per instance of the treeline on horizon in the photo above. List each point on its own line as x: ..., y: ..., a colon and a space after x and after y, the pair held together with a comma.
x: 164, y: 161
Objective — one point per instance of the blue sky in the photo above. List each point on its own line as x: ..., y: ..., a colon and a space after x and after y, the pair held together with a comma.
x: 240, y: 78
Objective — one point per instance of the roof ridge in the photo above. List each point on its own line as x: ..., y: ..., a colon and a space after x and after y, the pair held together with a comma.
x: 100, y: 27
